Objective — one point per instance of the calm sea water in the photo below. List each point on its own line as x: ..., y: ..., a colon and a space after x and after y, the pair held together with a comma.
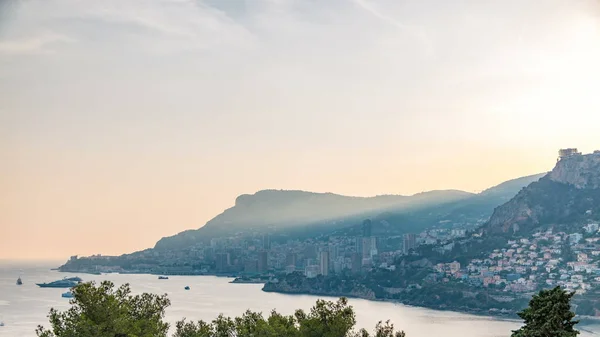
x: 22, y: 308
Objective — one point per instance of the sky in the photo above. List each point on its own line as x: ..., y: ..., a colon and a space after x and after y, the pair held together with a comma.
x: 125, y: 121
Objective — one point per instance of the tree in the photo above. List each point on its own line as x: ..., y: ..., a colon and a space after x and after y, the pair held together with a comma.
x: 382, y: 330
x: 548, y: 315
x: 103, y: 311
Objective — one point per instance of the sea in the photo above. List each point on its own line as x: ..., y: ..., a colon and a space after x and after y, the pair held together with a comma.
x: 23, y: 308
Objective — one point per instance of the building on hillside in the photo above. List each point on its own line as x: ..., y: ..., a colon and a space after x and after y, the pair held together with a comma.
x: 367, y: 228
x: 409, y: 242
x: 311, y: 271
x: 356, y: 263
x: 591, y: 228
x: 266, y: 242
x: 373, y: 247
x: 222, y: 262
x: 263, y: 261
x: 324, y: 263
x: 366, y: 247
x: 454, y: 267
x: 575, y: 238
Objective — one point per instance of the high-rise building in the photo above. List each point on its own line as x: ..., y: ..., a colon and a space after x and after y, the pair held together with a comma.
x: 266, y: 241
x: 409, y: 242
x: 324, y: 263
x: 356, y: 263
x: 222, y: 262
x: 366, y: 247
x: 373, y: 246
x: 263, y: 261
x: 367, y: 228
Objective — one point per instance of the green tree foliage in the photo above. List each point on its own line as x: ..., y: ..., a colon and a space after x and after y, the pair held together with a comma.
x: 106, y: 311
x: 548, y: 315
x: 325, y: 319
x: 103, y: 311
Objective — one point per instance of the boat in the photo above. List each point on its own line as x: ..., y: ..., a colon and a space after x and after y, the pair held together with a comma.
x: 187, y: 288
x: 19, y: 281
x: 68, y: 294
x: 163, y: 278
x: 59, y: 284
x: 1, y: 323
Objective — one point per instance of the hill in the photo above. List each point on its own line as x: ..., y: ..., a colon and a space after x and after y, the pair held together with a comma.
x: 474, y: 209
x: 286, y: 210
x: 301, y: 213
x: 569, y: 194
x: 563, y: 200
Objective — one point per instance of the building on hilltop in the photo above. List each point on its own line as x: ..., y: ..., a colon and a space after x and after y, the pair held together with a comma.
x: 564, y: 153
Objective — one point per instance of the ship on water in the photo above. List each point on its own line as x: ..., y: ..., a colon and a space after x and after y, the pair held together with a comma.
x: 19, y: 281
x: 64, y: 283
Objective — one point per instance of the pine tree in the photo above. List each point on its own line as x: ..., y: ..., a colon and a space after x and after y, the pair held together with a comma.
x: 548, y: 315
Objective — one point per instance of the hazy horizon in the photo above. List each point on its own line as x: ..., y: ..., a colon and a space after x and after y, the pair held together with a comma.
x: 125, y: 121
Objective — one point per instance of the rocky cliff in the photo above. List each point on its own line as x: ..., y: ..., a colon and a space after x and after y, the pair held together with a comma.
x: 580, y: 171
x: 569, y: 194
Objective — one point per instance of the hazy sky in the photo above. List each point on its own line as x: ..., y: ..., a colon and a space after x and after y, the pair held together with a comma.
x: 122, y: 121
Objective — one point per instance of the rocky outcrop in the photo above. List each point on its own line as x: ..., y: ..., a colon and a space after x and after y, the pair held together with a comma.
x: 581, y: 171
x: 567, y: 195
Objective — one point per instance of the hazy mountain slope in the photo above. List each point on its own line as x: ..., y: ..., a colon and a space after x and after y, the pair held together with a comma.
x: 297, y: 212
x: 467, y: 210
x: 509, y: 189
x: 289, y: 209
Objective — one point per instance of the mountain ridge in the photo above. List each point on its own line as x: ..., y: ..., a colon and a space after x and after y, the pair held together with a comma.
x: 290, y: 208
x: 271, y: 208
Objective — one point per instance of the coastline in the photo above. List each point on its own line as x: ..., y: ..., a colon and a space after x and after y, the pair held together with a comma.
x: 491, y: 313
x: 267, y: 287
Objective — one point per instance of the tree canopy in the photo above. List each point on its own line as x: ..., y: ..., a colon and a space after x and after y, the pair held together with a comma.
x: 548, y: 315
x: 105, y: 311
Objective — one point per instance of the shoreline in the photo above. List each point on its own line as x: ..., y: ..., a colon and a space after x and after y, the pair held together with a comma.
x: 494, y: 314
x: 460, y: 310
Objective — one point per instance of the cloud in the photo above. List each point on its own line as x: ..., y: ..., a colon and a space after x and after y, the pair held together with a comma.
x: 38, y: 44
x: 415, y: 32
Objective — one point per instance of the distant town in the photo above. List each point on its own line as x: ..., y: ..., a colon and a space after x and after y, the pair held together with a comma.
x: 479, y: 260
